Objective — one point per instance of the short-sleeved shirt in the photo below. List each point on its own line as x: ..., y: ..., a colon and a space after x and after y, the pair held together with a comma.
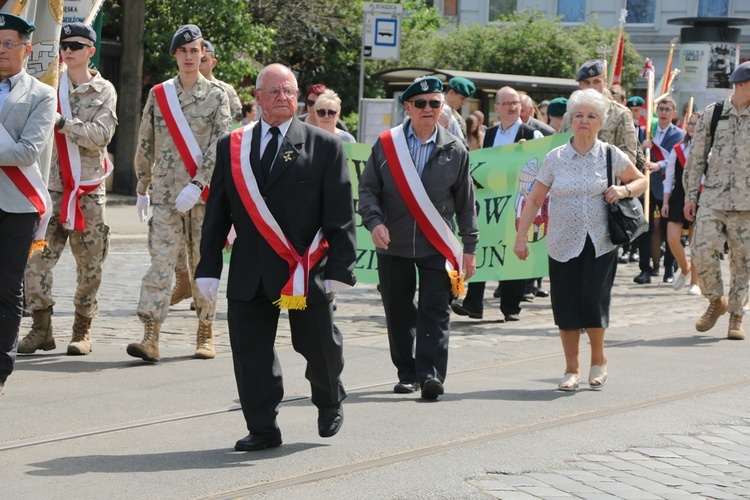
x: 577, y: 206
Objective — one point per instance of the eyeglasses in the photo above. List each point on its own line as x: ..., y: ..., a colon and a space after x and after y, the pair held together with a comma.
x: 12, y: 45
x: 509, y: 104
x: 310, y: 103
x: 276, y: 92
x: 421, y: 103
x: 74, y: 46
x: 322, y: 112
x: 692, y: 124
x: 664, y: 110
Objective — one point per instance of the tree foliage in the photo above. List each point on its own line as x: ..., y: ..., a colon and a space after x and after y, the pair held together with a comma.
x: 238, y: 40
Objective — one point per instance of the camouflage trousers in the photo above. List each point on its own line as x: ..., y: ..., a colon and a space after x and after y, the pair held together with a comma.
x: 89, y: 248
x: 712, y: 229
x: 168, y: 232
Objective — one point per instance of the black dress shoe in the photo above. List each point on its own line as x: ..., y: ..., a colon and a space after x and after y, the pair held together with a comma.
x: 655, y: 271
x: 668, y: 278
x: 431, y: 389
x: 498, y: 291
x: 406, y: 387
x: 528, y: 297
x: 512, y: 317
x: 542, y: 293
x: 643, y: 278
x: 257, y: 442
x: 462, y: 310
x: 330, y: 421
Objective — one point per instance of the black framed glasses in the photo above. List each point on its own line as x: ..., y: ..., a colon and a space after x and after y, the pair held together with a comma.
x: 74, y: 46
x: 421, y: 103
x: 322, y: 112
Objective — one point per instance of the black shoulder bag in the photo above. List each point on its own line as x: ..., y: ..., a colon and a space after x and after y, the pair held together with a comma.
x: 626, y: 218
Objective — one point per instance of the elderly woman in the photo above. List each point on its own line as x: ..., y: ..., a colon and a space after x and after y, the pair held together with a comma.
x: 582, y: 258
x: 327, y: 110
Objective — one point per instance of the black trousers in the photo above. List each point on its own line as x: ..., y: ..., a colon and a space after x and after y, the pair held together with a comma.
x: 418, y: 331
x: 510, y: 299
x: 252, y: 333
x: 16, y: 235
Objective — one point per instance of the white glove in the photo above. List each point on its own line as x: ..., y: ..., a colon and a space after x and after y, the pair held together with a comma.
x: 208, y: 287
x: 187, y: 198
x: 141, y: 206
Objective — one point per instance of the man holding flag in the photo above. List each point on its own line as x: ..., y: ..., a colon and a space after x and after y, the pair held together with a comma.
x: 27, y: 117
x: 414, y: 189
x: 182, y: 121
x: 86, y: 122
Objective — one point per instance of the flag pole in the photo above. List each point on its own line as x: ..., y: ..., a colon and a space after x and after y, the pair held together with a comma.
x: 649, y: 121
x: 618, y: 42
x: 689, y: 113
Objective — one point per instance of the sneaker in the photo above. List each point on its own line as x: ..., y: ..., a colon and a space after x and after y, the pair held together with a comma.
x: 679, y: 282
x: 694, y: 290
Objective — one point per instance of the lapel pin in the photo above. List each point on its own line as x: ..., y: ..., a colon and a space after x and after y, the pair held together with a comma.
x: 287, y: 156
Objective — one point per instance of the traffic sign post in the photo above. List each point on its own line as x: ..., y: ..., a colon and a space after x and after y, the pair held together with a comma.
x: 381, y: 39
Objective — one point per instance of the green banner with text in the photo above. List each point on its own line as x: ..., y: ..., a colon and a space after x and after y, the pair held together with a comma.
x: 503, y: 177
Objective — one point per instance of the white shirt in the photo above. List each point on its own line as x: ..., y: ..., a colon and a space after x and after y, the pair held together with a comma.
x: 577, y: 207
x: 669, y: 175
x: 266, y: 136
x: 505, y: 137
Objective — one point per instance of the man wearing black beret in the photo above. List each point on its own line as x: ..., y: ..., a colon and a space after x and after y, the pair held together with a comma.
x: 420, y: 161
x: 27, y: 116
x: 85, y: 125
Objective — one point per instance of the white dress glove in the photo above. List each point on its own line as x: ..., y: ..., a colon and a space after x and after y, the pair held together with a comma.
x: 187, y: 198
x: 141, y: 206
x: 208, y: 287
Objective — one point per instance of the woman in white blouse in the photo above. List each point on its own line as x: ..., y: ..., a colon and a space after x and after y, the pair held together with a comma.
x: 672, y: 209
x: 582, y: 258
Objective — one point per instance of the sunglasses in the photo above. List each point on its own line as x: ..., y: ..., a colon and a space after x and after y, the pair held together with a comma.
x: 421, y: 103
x: 322, y: 112
x: 74, y: 46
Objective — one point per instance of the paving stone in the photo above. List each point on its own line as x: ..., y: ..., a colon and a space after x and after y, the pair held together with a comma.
x: 544, y: 491
x: 492, y: 485
x: 518, y: 481
x: 656, y: 452
x: 512, y: 495
x: 562, y: 482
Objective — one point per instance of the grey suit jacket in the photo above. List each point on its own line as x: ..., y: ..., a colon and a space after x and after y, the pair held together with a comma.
x: 29, y: 117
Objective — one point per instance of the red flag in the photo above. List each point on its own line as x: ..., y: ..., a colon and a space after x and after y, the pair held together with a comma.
x: 617, y: 75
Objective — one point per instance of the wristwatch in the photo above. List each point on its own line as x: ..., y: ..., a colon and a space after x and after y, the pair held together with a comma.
x: 61, y: 122
x: 630, y: 191
x: 197, y: 183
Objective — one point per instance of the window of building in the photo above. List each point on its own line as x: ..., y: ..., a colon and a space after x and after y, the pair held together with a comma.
x: 641, y: 11
x: 501, y: 8
x: 713, y: 8
x: 573, y: 11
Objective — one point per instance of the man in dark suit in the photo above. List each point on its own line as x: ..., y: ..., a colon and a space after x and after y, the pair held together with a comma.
x: 510, y: 130
x: 27, y: 117
x: 285, y: 186
x: 649, y: 244
x: 528, y: 118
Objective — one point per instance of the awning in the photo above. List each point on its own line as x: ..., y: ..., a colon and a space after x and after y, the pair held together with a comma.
x: 486, y: 82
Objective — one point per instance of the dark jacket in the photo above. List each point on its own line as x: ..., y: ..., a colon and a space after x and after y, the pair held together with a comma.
x: 447, y: 180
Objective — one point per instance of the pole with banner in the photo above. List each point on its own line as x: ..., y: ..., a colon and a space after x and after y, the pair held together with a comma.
x: 381, y: 39
x: 648, y: 72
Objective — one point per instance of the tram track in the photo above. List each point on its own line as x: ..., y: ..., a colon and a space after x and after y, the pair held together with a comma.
x: 491, y: 365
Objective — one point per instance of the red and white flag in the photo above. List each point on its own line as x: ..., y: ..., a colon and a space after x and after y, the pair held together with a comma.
x: 617, y: 72
x: 648, y: 68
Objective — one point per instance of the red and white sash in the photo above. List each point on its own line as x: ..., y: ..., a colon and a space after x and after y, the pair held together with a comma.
x: 29, y: 182
x: 412, y: 191
x: 294, y: 293
x: 179, y: 128
x: 681, y: 154
x: 69, y: 156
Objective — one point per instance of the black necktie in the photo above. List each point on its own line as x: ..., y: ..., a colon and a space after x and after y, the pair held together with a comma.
x: 270, y: 152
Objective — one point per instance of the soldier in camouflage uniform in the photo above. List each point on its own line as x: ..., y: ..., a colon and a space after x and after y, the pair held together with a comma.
x: 618, y: 130
x: 182, y: 289
x: 178, y: 208
x: 90, y: 127
x: 724, y: 214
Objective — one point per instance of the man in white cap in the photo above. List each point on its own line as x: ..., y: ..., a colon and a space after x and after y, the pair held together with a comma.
x: 27, y: 117
x: 724, y: 131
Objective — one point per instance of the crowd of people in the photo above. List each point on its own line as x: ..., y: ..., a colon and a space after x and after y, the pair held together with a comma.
x: 208, y: 165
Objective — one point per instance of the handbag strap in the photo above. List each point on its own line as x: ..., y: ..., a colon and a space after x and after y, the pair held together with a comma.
x: 609, y: 165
